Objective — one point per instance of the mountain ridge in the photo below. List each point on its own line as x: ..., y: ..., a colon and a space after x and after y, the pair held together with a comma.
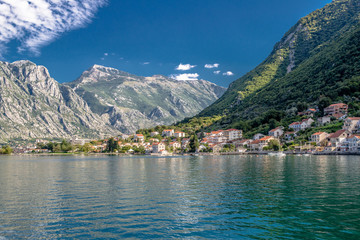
x: 313, y: 61
x: 307, y: 37
x: 35, y: 105
x: 155, y: 100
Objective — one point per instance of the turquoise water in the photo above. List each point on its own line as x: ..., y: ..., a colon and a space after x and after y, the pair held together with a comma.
x: 215, y: 197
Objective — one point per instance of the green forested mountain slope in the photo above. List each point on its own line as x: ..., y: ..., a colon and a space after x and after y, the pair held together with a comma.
x: 311, y: 37
x: 317, y: 59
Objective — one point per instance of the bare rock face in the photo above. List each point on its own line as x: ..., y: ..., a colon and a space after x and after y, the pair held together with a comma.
x: 102, y: 102
x: 152, y: 100
x: 34, y: 105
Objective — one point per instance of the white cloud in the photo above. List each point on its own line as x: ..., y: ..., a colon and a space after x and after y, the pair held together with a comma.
x: 215, y: 65
x: 106, y: 54
x: 228, y: 73
x: 184, y: 67
x: 185, y: 76
x: 217, y: 72
x: 36, y: 23
x: 145, y: 63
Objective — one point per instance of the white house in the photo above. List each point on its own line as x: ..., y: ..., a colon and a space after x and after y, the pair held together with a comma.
x: 352, y: 144
x: 306, y: 123
x: 179, y: 134
x: 139, y: 137
x: 277, y: 132
x: 289, y: 136
x: 168, y: 133
x: 152, y: 134
x: 158, y: 147
x: 337, y: 138
x: 319, y: 137
x: 323, y: 120
x: 185, y: 142
x: 175, y: 145
x: 233, y: 134
x: 255, y: 145
x: 351, y: 123
x: 258, y: 136
x: 296, y: 126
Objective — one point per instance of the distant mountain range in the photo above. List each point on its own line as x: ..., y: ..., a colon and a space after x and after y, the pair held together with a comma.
x: 103, y: 101
x: 316, y: 62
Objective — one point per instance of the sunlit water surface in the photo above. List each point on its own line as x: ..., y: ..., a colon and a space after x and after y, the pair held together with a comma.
x: 216, y: 197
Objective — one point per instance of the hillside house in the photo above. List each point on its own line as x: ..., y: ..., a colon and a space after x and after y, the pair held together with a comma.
x: 351, y: 144
x: 179, y: 134
x: 289, y: 136
x: 338, y: 108
x: 319, y: 137
x: 277, y: 132
x: 139, y: 137
x: 158, y: 147
x: 323, y: 120
x: 185, y: 143
x: 243, y: 143
x: 175, y: 145
x: 258, y: 136
x: 310, y: 112
x: 337, y: 138
x: 265, y: 141
x: 152, y: 134
x: 255, y: 145
x: 233, y: 134
x: 296, y: 126
x: 168, y: 133
x: 306, y: 123
x: 216, y: 147
x: 351, y: 123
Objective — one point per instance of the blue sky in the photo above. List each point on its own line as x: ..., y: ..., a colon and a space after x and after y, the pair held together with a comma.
x: 148, y: 37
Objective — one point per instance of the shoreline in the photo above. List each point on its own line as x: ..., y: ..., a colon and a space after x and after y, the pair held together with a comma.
x: 186, y: 154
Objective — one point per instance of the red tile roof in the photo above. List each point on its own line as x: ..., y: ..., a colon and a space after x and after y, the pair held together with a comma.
x: 338, y: 115
x: 354, y: 136
x: 318, y: 133
x: 337, y: 134
x: 265, y: 138
x: 338, y: 105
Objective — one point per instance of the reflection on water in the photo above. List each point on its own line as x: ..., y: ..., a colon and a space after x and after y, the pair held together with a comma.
x: 195, y: 197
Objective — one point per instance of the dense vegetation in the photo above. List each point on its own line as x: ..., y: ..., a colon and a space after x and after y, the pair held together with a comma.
x: 315, y: 64
x: 6, y: 150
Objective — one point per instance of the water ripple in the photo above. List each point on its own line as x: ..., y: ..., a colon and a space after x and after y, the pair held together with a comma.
x: 183, y: 198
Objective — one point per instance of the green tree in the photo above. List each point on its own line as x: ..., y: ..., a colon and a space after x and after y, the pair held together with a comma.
x: 66, y: 146
x: 112, y: 145
x: 194, y: 143
x: 323, y: 103
x: 86, y: 148
x: 6, y: 150
x: 274, y: 145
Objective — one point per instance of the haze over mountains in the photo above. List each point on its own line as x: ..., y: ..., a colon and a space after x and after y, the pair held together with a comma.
x: 102, y: 102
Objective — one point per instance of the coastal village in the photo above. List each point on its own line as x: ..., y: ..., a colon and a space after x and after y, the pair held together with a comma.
x: 282, y: 138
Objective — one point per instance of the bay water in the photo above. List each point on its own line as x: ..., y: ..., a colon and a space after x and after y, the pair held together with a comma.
x: 201, y: 197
